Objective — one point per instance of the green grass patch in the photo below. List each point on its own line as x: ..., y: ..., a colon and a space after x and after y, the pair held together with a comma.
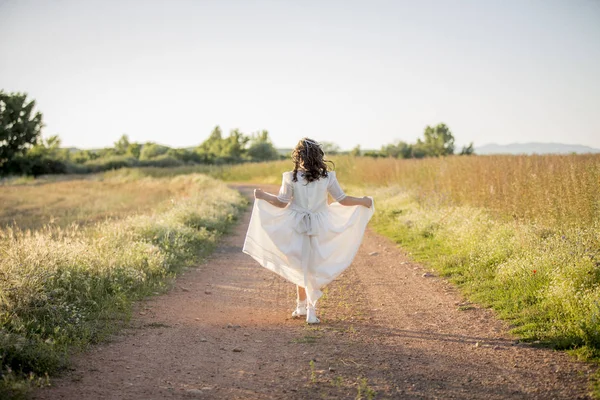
x: 64, y: 288
x: 546, y: 282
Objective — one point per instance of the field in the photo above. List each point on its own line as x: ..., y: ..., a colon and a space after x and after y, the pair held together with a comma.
x: 83, y: 200
x: 519, y: 234
x: 85, y: 249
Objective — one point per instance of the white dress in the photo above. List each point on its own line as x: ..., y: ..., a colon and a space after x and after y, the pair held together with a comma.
x: 309, y: 242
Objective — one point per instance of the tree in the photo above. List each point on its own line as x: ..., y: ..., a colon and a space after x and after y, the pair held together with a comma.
x: 211, y: 147
x: 151, y: 150
x: 20, y: 126
x: 467, y: 150
x: 135, y: 150
x: 419, y: 150
x: 83, y: 156
x: 261, y: 148
x: 439, y: 141
x: 234, y: 146
x: 122, y: 145
x: 330, y: 148
x: 355, y: 151
x: 219, y: 149
x: 399, y: 149
x: 49, y: 148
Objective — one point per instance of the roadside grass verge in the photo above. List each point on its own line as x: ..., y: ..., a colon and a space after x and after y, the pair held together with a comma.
x: 544, y: 281
x: 62, y: 288
x: 61, y: 200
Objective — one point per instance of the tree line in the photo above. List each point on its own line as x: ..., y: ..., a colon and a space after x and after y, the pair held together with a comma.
x: 24, y: 152
x: 437, y: 141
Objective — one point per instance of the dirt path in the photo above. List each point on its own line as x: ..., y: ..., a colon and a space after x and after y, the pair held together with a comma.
x: 225, y: 332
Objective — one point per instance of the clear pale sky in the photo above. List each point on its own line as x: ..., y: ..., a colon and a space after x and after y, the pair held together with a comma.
x: 350, y: 72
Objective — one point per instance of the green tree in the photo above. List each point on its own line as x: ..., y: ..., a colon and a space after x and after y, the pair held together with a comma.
x: 467, y: 150
x: 152, y: 150
x: 83, y: 156
x: 49, y: 148
x: 399, y: 149
x: 355, y: 151
x: 439, y: 141
x: 234, y: 146
x: 219, y: 149
x: 135, y: 150
x: 419, y: 150
x: 261, y: 148
x: 210, y: 149
x: 122, y: 145
x: 20, y: 125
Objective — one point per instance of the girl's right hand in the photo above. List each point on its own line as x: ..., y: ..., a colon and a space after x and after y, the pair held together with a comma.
x: 258, y: 193
x: 368, y: 202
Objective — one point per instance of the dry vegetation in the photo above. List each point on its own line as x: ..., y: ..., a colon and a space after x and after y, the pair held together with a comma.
x: 517, y: 233
x: 552, y: 190
x: 61, y: 201
x: 64, y: 287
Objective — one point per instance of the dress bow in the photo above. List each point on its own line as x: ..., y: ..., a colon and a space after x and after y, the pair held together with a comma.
x: 306, y: 222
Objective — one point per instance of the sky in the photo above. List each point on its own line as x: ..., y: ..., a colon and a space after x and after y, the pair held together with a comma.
x: 350, y: 72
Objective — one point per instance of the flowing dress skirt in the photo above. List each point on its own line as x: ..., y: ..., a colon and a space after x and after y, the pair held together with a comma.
x: 309, y: 249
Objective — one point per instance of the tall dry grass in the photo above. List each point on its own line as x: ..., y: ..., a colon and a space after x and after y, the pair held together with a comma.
x: 83, y: 199
x: 553, y: 190
x: 64, y: 287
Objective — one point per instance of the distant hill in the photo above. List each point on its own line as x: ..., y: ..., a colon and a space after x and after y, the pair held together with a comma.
x: 534, y: 148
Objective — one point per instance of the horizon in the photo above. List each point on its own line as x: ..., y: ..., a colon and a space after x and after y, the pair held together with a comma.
x: 349, y: 149
x: 343, y: 72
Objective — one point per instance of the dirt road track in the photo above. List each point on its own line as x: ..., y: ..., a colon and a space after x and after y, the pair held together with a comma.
x: 225, y: 332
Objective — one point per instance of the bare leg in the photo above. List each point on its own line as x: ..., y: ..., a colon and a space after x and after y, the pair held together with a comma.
x: 300, y: 310
x: 301, y: 293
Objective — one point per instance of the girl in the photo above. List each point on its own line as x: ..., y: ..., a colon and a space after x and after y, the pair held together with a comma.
x: 297, y: 235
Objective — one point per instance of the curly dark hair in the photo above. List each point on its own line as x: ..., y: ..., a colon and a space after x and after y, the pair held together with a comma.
x: 309, y: 156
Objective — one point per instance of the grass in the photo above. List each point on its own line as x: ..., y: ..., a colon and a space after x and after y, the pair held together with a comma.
x: 546, y: 282
x: 62, y: 288
x: 364, y: 391
x: 520, y: 234
x: 87, y: 199
x: 552, y: 190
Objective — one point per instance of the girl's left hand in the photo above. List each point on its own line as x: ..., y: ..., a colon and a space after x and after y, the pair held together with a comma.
x: 258, y: 193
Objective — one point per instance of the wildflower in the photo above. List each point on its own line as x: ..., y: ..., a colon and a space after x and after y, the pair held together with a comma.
x: 534, y: 271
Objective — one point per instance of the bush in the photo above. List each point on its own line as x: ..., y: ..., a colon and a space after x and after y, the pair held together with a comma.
x: 162, y: 161
x: 111, y: 162
x: 34, y: 165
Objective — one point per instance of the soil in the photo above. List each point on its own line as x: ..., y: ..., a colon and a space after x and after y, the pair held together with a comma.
x: 390, y: 329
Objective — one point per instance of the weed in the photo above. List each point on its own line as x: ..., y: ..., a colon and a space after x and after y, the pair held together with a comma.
x: 313, y: 372
x: 364, y: 391
x: 338, y: 381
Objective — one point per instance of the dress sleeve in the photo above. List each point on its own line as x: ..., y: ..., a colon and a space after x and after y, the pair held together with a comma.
x: 286, y: 192
x: 334, y: 189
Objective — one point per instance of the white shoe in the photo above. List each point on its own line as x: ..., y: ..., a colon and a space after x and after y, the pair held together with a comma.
x: 311, y: 316
x: 300, y: 310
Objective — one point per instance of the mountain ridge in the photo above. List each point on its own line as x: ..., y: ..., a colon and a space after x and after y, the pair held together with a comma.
x: 534, y: 148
